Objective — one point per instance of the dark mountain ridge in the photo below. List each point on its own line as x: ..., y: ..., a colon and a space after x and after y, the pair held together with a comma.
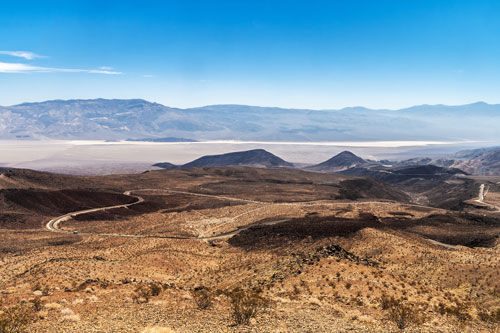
x: 255, y: 157
x: 339, y: 162
x: 166, y: 165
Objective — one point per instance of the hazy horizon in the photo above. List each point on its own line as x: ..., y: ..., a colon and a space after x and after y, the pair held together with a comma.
x: 253, y: 105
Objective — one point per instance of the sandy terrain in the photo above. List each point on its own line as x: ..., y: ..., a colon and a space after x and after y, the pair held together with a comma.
x: 329, y: 265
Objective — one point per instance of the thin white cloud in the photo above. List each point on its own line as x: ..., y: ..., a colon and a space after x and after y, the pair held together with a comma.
x: 106, y: 68
x: 7, y: 67
x: 22, y: 54
x: 148, y: 75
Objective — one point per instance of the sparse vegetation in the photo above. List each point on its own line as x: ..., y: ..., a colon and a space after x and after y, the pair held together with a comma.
x: 402, y: 314
x: 14, y: 319
x: 460, y: 311
x: 155, y: 289
x: 37, y: 304
x: 203, y: 297
x: 328, y: 266
x: 142, y: 294
x: 245, y: 304
x: 492, y: 316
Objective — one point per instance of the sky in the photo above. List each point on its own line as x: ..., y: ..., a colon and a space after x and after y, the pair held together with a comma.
x: 298, y: 54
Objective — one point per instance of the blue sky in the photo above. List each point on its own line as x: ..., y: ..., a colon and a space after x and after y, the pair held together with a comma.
x: 304, y: 54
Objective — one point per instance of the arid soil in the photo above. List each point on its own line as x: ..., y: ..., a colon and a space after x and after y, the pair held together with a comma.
x: 309, y: 252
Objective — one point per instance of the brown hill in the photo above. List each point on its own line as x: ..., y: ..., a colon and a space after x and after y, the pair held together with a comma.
x: 255, y: 157
x: 339, y: 162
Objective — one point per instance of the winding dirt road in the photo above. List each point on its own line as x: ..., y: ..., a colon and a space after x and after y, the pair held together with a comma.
x: 53, y: 225
x: 483, y: 191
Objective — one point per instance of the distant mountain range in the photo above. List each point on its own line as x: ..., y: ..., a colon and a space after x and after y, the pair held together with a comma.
x: 137, y: 119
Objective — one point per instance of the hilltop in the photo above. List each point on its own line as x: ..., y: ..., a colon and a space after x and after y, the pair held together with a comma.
x: 254, y: 157
x: 342, y: 161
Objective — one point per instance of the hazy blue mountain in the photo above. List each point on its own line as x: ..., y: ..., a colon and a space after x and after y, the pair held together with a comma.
x: 140, y: 119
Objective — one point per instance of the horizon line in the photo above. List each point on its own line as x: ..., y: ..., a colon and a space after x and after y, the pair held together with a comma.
x: 250, y: 105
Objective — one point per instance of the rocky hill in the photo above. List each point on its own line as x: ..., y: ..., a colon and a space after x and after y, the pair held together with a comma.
x: 339, y: 162
x: 255, y: 157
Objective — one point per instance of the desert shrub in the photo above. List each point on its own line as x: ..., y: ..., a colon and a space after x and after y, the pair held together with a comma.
x: 15, y: 319
x: 45, y: 291
x: 246, y: 304
x: 37, y: 304
x: 386, y: 302
x: 203, y: 297
x: 155, y: 288
x: 43, y: 288
x: 495, y: 315
x: 142, y: 294
x: 403, y: 315
x: 459, y: 311
x: 104, y: 284
x: 492, y: 316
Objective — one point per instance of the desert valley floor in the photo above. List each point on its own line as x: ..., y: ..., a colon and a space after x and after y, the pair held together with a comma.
x: 308, y: 252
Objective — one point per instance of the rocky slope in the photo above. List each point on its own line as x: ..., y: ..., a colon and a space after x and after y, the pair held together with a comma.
x: 483, y: 161
x: 480, y: 161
